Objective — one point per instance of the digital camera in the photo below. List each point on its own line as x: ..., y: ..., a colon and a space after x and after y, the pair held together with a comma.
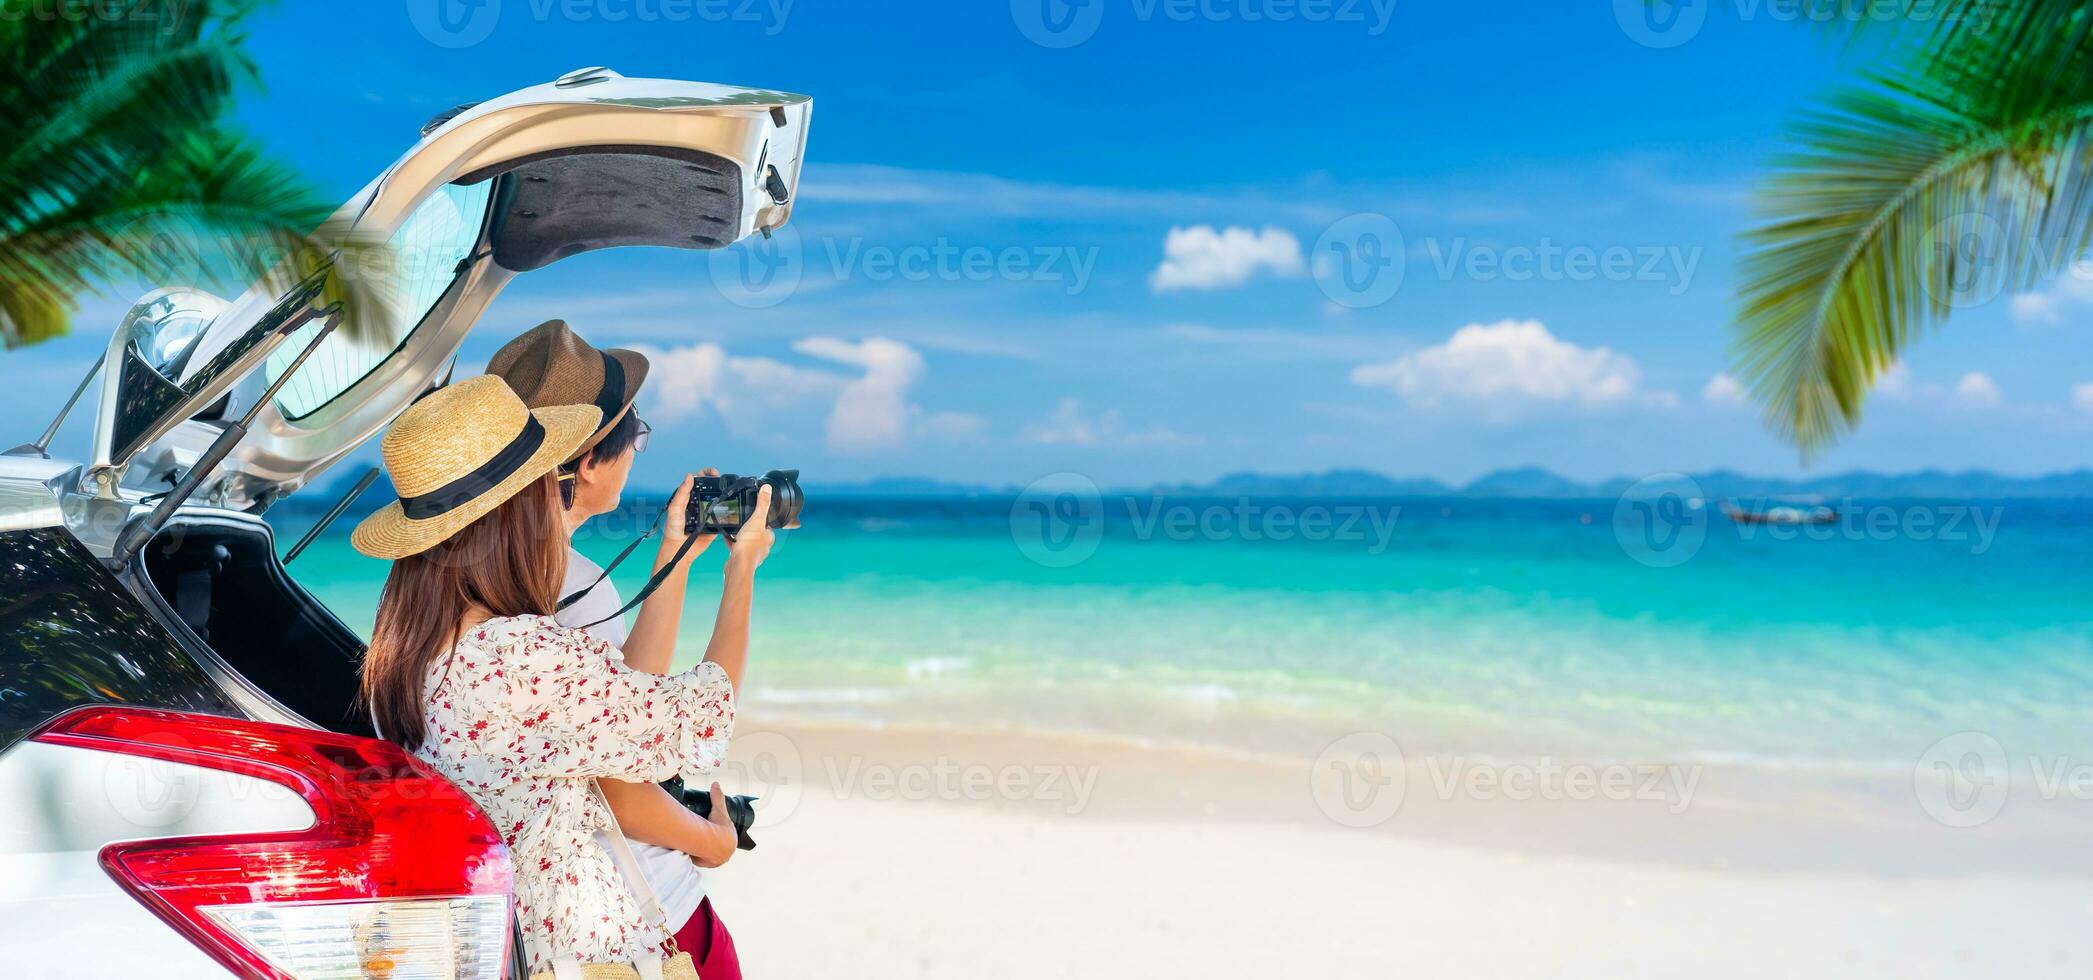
x: 721, y: 504
x: 741, y: 810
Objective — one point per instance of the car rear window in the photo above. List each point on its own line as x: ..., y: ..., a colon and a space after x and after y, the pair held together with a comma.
x: 426, y: 252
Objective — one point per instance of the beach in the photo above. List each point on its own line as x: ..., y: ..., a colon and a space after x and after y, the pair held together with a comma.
x: 1185, y: 863
x: 1495, y: 738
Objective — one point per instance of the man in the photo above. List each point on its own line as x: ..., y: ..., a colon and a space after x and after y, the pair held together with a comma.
x: 551, y: 365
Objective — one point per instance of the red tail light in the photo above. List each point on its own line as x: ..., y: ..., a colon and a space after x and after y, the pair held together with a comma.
x: 399, y: 873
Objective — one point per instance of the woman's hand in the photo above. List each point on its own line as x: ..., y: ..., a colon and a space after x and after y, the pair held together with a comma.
x: 673, y: 529
x: 751, y: 544
x: 718, y: 837
x: 651, y: 646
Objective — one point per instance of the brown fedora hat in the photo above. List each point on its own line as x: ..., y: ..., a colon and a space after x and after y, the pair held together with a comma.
x: 551, y: 365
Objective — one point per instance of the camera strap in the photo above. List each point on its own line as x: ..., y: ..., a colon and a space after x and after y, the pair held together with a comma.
x: 614, y: 563
x: 653, y: 582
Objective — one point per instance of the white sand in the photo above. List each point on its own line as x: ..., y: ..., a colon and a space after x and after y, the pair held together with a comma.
x: 863, y: 883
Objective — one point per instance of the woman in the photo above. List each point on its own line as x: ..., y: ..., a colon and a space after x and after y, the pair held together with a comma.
x: 549, y: 365
x: 468, y: 670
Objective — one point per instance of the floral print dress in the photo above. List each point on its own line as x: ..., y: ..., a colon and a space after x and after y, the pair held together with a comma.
x: 524, y: 715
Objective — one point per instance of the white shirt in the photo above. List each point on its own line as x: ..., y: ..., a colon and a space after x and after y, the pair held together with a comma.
x: 675, y: 878
x: 603, y: 600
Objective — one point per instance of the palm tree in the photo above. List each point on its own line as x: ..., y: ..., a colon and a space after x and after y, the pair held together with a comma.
x: 115, y: 148
x: 1961, y: 169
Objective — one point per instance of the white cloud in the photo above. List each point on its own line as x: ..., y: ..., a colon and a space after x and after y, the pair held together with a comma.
x: 1974, y: 390
x: 871, y: 412
x: 1977, y: 388
x: 702, y: 379
x: 1502, y: 366
x: 683, y: 382
x: 2036, y: 308
x: 868, y: 412
x: 1199, y: 257
x: 1067, y: 425
x: 1724, y: 390
x: 1895, y: 382
x: 2071, y: 292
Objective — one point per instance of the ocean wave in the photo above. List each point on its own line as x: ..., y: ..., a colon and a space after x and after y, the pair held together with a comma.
x: 932, y: 668
x: 821, y: 695
x: 1206, y: 694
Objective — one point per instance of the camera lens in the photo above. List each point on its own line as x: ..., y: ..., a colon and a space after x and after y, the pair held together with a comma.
x: 786, y: 498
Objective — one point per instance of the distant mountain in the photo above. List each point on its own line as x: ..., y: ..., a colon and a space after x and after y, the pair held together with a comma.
x: 1527, y: 481
x: 908, y: 486
x: 1535, y: 482
x: 1524, y: 482
x: 1335, y: 483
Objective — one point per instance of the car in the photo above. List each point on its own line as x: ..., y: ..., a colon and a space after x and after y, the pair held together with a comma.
x: 190, y: 788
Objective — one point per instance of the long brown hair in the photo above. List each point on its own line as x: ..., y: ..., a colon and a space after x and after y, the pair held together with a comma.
x: 510, y: 562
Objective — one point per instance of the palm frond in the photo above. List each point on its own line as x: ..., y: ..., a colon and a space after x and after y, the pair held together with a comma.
x: 1959, y: 42
x: 1913, y: 194
x: 113, y: 152
x: 1949, y: 28
x: 32, y: 312
x: 215, y: 209
x: 116, y: 87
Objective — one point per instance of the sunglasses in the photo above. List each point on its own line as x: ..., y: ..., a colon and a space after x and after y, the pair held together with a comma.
x: 639, y: 442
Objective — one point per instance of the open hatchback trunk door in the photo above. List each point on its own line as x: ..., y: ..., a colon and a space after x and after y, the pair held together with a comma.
x: 592, y: 160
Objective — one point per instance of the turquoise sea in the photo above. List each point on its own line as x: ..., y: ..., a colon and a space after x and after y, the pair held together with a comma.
x: 1514, y: 626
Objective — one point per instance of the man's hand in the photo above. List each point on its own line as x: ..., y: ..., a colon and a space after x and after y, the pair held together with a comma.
x: 673, y: 530
x: 752, y: 543
x: 718, y: 838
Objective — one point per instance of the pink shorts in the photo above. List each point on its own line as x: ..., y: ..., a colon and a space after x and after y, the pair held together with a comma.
x: 705, y: 938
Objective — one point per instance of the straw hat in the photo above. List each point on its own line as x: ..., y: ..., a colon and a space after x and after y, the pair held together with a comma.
x: 460, y: 452
x: 551, y: 365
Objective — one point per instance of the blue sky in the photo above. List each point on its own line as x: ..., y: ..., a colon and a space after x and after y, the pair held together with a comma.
x: 1103, y: 257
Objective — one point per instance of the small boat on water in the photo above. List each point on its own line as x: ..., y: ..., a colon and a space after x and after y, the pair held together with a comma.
x: 1781, y: 514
